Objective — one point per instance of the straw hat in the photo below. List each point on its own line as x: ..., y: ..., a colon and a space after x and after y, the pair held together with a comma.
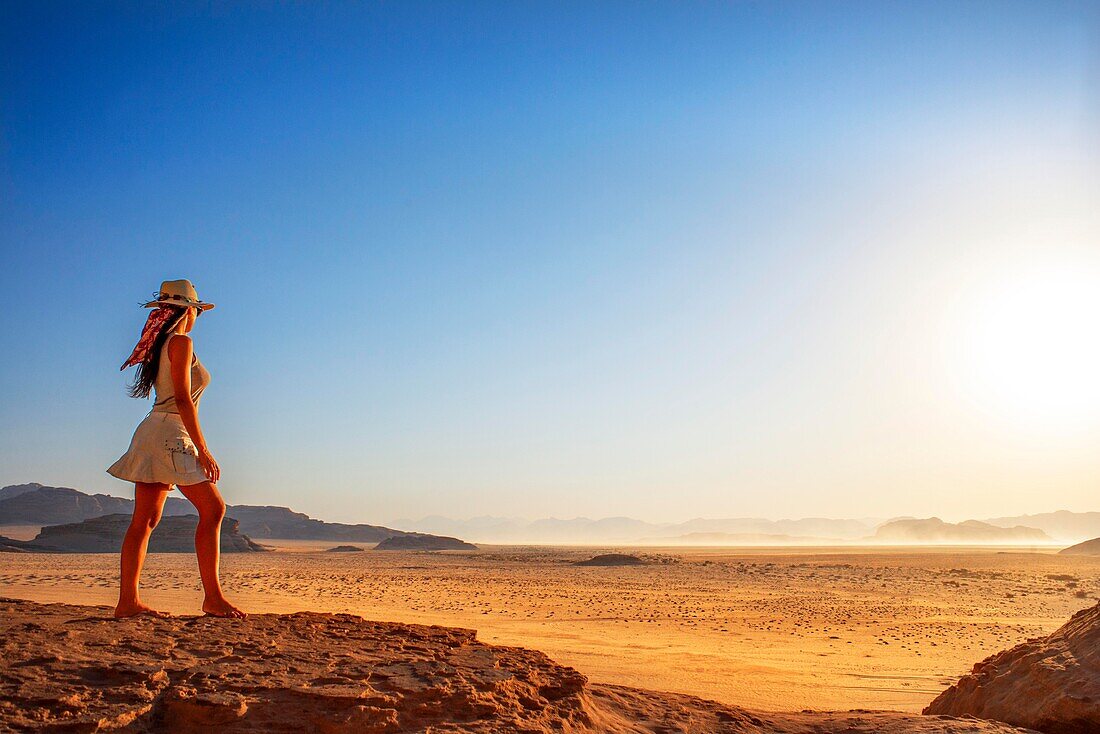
x: 178, y: 293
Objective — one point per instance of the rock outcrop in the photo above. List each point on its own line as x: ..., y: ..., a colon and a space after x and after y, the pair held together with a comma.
x: 1088, y: 548
x: 612, y: 559
x: 70, y: 668
x: 105, y: 534
x: 424, y: 543
x: 344, y: 549
x: 1050, y: 684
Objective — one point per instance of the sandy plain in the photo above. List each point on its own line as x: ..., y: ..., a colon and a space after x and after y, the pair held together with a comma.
x: 770, y: 629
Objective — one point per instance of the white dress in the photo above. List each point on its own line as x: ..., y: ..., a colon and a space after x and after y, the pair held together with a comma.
x: 161, y: 450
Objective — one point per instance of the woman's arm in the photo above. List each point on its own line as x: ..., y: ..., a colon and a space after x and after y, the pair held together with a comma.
x: 180, y: 354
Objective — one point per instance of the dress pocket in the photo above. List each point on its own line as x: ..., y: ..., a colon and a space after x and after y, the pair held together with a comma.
x: 185, y: 457
x: 185, y: 463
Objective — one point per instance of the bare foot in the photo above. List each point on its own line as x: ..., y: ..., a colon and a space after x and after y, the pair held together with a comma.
x: 136, y: 608
x: 222, y: 608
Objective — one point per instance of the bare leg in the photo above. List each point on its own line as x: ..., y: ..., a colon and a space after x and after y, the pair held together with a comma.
x: 148, y: 504
x: 208, y: 501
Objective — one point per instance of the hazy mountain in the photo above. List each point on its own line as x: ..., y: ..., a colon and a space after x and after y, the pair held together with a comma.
x: 628, y: 530
x: 935, y: 530
x: 737, y: 539
x: 819, y: 527
x: 756, y: 531
x: 1064, y: 525
x: 501, y: 529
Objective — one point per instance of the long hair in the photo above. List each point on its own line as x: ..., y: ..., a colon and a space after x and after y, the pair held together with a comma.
x: 146, y: 373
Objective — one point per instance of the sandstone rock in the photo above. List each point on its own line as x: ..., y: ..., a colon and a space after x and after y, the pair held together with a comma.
x: 71, y: 668
x: 1051, y: 684
x: 344, y: 549
x: 104, y: 535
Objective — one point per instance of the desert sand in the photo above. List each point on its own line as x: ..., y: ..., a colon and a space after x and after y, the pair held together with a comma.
x: 769, y: 630
x: 74, y: 668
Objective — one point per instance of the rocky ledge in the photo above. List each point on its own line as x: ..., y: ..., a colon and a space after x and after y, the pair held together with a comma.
x: 75, y: 668
x: 1051, y: 684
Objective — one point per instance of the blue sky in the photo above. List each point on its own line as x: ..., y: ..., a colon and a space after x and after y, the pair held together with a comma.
x: 659, y: 260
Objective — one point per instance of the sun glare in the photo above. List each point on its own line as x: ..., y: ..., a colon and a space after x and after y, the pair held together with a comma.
x: 1032, y: 348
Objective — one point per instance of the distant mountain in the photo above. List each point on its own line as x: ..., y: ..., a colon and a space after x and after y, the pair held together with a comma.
x: 57, y: 505
x: 1064, y: 525
x: 485, y: 528
x: 14, y: 490
x: 814, y: 527
x: 281, y: 522
x: 935, y: 530
x: 104, y: 535
x: 35, y: 504
x: 1088, y: 548
x: 738, y: 539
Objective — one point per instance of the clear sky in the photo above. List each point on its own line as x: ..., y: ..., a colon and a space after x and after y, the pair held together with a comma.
x: 662, y: 260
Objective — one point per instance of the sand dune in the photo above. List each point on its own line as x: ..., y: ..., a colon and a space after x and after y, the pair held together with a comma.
x: 75, y: 668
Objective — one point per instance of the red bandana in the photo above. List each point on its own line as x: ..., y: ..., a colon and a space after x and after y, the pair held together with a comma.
x: 156, y: 320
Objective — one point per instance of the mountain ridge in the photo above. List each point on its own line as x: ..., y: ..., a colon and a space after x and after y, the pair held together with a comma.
x: 37, y: 504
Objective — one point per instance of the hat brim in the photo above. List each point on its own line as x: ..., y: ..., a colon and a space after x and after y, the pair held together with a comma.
x: 197, y: 304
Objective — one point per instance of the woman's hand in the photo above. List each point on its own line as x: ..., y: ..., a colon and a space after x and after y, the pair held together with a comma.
x: 209, y: 467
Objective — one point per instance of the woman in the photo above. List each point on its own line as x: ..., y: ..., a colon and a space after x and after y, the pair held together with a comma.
x: 168, y: 447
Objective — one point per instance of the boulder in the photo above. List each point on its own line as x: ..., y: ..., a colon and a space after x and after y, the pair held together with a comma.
x: 612, y: 559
